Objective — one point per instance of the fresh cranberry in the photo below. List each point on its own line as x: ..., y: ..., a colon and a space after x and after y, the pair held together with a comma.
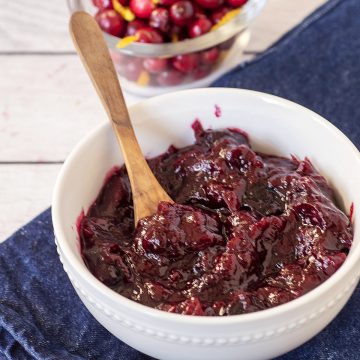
x: 201, y: 71
x: 210, y: 4
x: 118, y: 58
x: 149, y: 35
x: 199, y: 12
x: 133, y: 69
x: 236, y: 3
x: 155, y: 65
x: 134, y: 26
x: 170, y: 78
x: 160, y: 19
x: 210, y: 56
x: 142, y: 8
x: 218, y: 14
x: 103, y: 4
x: 166, y: 2
x: 199, y: 27
x: 185, y: 63
x: 111, y: 22
x: 178, y: 31
x: 182, y: 12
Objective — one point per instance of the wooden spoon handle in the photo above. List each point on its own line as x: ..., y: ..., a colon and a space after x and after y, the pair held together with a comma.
x: 94, y: 54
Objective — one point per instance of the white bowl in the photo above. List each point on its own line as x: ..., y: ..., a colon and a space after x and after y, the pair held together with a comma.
x: 276, y: 126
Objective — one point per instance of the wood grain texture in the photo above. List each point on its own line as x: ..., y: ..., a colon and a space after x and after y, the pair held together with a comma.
x: 47, y: 104
x: 93, y: 51
x: 42, y: 26
x: 25, y: 191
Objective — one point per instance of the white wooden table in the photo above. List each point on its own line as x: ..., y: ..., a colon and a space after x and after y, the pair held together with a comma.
x: 47, y: 103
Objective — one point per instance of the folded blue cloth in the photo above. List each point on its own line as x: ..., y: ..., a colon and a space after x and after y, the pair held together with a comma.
x: 317, y: 65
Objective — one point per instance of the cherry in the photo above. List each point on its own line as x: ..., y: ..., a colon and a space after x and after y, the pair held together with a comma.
x: 170, y: 78
x: 134, y: 26
x: 159, y: 19
x: 210, y: 56
x: 142, y: 8
x: 149, y: 35
x: 103, y: 4
x: 210, y: 4
x: 186, y: 63
x: 236, y: 3
x: 155, y: 65
x: 182, y: 12
x: 218, y: 14
x: 199, y: 27
x: 111, y: 22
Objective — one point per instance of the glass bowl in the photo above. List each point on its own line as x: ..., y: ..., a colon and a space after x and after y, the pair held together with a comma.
x: 147, y: 69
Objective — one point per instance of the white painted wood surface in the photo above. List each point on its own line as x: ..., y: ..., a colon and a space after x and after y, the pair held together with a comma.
x: 47, y: 103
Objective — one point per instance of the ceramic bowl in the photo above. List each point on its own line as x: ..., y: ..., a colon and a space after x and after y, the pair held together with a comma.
x: 275, y: 126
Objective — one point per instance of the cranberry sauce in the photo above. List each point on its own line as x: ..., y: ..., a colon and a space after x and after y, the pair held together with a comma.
x: 248, y: 231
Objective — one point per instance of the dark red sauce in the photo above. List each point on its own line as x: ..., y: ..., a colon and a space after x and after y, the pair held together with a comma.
x: 248, y: 231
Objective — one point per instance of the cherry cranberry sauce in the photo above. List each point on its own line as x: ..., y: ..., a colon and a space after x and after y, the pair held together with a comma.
x: 248, y: 231
x: 159, y: 21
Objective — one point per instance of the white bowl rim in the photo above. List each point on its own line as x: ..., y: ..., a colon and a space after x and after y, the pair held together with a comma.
x: 122, y: 301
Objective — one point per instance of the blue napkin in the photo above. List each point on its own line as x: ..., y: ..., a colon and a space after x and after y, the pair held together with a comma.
x: 318, y: 65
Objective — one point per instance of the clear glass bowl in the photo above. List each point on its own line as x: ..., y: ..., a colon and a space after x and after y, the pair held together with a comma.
x: 146, y: 69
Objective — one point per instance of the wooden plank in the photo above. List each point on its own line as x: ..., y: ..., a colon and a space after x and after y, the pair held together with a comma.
x: 277, y: 18
x: 34, y: 25
x: 25, y: 191
x: 47, y: 106
x: 41, y: 26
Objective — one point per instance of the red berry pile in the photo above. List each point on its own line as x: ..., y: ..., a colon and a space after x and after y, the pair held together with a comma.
x: 168, y: 19
x: 159, y: 21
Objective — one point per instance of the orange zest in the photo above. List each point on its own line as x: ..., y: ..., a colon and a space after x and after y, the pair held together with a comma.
x: 143, y: 79
x: 226, y: 18
x: 174, y: 38
x: 124, y: 11
x: 127, y: 40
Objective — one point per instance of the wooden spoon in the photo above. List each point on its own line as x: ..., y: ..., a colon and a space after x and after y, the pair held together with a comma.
x: 94, y: 53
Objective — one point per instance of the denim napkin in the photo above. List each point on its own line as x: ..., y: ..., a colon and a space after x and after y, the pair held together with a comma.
x: 317, y: 65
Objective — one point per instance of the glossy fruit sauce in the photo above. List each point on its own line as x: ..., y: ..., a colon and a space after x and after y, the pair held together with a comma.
x: 247, y: 232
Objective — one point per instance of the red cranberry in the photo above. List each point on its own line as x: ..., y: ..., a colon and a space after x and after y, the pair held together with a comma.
x: 185, y: 63
x: 198, y: 11
x: 142, y: 8
x: 236, y: 3
x: 210, y: 56
x: 167, y: 2
x: 178, y: 31
x: 149, y: 35
x: 111, y: 22
x: 159, y: 19
x: 103, y: 4
x: 133, y: 69
x: 182, y: 12
x: 119, y: 59
x: 155, y: 65
x: 199, y: 27
x: 218, y: 14
x: 170, y: 78
x: 210, y: 4
x: 201, y: 71
x: 134, y: 26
